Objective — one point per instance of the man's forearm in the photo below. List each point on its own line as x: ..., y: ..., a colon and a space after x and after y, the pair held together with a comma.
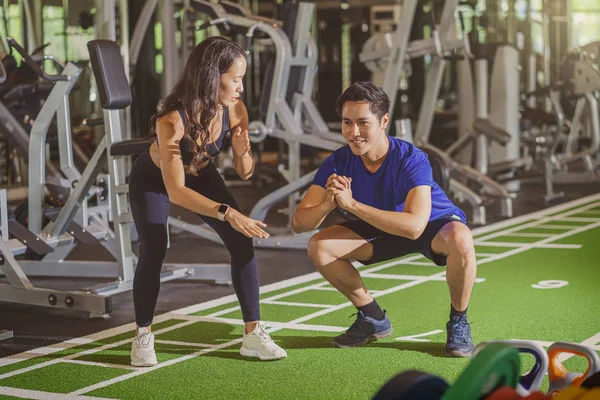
x: 310, y: 218
x: 393, y: 222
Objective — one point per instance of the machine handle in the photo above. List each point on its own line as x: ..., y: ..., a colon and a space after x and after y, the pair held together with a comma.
x: 33, y: 65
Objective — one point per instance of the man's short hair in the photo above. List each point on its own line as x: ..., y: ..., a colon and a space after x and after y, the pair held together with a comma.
x: 367, y: 91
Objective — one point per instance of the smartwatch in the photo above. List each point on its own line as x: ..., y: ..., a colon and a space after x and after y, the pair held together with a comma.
x: 222, y: 212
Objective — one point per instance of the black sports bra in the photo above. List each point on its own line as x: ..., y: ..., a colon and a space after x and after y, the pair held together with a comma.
x: 213, y: 149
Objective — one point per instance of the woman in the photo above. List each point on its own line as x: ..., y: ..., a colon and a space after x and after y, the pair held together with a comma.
x: 190, y: 128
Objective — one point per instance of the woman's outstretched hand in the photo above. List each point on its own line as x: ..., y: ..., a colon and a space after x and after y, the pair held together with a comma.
x: 245, y: 225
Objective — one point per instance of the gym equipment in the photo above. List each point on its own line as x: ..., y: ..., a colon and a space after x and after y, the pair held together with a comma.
x: 5, y: 335
x: 498, y: 124
x: 534, y: 378
x: 77, y: 222
x: 56, y: 104
x: 494, y: 366
x: 558, y: 376
x: 443, y: 47
x: 592, y: 381
x: 439, y: 168
x: 290, y: 114
x: 412, y: 384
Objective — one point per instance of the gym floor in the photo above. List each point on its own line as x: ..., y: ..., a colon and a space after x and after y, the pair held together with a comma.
x: 55, y: 326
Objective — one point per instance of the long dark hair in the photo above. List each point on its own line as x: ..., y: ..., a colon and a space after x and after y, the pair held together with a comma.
x: 197, y: 92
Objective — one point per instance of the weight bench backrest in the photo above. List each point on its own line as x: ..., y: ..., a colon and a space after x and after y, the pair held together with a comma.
x: 107, y: 64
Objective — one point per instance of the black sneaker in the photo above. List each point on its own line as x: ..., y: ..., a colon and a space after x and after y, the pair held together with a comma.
x: 458, y: 341
x: 364, y: 330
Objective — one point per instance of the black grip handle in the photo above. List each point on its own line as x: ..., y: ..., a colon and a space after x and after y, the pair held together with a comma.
x: 226, y: 27
x: 33, y: 65
x: 204, y: 26
x: 92, y: 122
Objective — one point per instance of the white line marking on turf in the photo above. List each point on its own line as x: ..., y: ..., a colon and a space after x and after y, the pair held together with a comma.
x: 533, y: 245
x: 536, y: 223
x: 529, y: 245
x: 15, y: 358
x: 548, y: 226
x: 526, y: 234
x: 99, y: 364
x: 412, y: 277
x: 286, y: 325
x: 294, y: 304
x: 90, y: 351
x: 275, y: 297
x: 327, y: 288
x: 177, y: 343
x: 509, y: 223
x: 416, y: 338
x: 235, y: 341
x: 578, y: 219
x: 316, y: 285
x: 36, y: 394
x: 423, y: 263
x: 145, y: 370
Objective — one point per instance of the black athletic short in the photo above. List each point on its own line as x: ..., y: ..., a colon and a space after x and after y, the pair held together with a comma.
x: 387, y: 246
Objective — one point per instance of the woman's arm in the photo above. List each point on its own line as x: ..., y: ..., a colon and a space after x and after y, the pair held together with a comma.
x: 243, y: 161
x: 170, y: 132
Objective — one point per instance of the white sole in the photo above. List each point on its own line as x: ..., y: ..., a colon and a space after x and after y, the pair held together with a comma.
x: 140, y: 363
x: 253, y: 353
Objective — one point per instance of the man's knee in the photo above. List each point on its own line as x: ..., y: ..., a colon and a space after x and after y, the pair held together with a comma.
x: 460, y: 240
x: 319, y: 250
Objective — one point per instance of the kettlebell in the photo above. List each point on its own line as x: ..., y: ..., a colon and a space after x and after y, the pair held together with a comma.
x: 559, y: 376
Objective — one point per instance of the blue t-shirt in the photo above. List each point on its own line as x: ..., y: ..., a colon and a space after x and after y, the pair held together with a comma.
x: 404, y: 168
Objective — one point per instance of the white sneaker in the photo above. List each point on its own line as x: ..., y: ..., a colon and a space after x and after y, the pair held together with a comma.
x: 142, y: 349
x: 259, y: 344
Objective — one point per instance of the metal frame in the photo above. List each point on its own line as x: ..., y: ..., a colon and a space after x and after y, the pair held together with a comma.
x: 95, y: 301
x: 443, y: 41
x: 283, y: 121
x: 57, y: 103
x: 585, y: 119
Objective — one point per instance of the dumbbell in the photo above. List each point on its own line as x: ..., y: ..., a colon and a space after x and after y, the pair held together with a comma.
x: 559, y: 377
x: 532, y: 380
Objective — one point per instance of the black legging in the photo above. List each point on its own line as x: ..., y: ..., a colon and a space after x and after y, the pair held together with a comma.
x: 150, y: 208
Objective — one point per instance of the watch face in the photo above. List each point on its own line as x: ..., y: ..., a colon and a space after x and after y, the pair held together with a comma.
x: 223, y: 208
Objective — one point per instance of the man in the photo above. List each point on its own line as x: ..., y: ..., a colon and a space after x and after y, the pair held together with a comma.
x: 387, y: 184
